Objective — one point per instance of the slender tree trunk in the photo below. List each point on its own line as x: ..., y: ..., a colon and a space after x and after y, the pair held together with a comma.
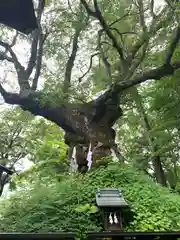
x: 156, y: 160
x: 158, y: 170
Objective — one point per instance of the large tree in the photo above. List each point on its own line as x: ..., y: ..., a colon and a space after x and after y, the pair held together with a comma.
x: 121, y: 50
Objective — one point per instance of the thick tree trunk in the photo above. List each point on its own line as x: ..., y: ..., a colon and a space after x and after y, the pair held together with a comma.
x: 85, y: 125
x: 97, y: 144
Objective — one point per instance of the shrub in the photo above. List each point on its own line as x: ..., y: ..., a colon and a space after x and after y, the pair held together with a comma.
x: 69, y: 205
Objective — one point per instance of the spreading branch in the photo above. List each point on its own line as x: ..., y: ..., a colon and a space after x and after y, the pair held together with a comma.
x: 21, y: 76
x: 3, y: 55
x: 35, y: 55
x: 98, y: 15
x: 155, y: 74
x: 14, y: 58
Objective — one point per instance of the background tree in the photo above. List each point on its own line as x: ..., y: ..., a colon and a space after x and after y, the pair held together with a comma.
x: 128, y: 36
x: 13, y: 143
x: 47, y: 153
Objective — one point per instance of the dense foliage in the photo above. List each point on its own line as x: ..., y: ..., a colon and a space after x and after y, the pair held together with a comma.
x: 69, y: 205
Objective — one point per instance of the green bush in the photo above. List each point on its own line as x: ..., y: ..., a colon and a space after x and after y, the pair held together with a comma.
x: 69, y: 205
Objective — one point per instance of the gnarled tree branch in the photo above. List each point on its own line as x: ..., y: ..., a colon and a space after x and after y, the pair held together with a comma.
x: 98, y: 15
x: 21, y: 74
x: 155, y: 74
x: 90, y: 65
x: 14, y: 58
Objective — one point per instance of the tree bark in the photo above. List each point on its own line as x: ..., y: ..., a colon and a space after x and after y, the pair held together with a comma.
x: 98, y: 136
